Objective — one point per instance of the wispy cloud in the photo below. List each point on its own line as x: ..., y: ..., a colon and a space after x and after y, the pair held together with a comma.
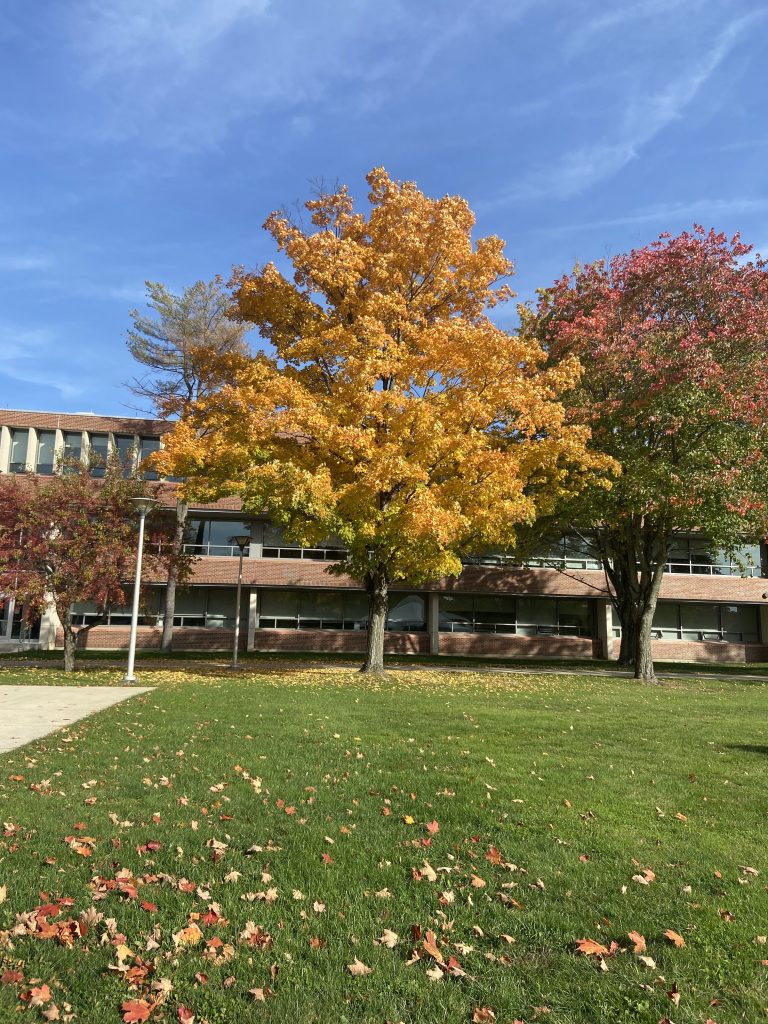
x: 25, y: 357
x: 647, y: 114
x: 704, y: 211
x: 619, y: 18
x: 13, y: 262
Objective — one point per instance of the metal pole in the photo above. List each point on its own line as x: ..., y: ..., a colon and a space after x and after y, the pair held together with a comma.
x: 129, y: 675
x: 237, y: 609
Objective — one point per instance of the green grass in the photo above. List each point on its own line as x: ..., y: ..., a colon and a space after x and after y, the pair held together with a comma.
x: 579, y: 782
x: 253, y: 659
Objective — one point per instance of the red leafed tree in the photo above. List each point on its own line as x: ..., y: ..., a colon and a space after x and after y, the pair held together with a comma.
x: 69, y: 538
x: 674, y: 343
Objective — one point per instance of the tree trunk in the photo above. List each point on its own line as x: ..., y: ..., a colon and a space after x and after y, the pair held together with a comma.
x: 70, y: 641
x: 166, y: 642
x: 628, y: 638
x: 377, y: 585
x: 644, y: 668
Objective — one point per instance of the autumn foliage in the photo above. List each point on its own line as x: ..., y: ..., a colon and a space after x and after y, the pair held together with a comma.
x: 674, y: 342
x: 393, y: 413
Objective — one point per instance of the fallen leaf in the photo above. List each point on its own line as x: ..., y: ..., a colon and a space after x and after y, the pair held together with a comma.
x: 135, y: 1010
x: 638, y: 942
x: 358, y: 969
x: 388, y: 938
x: 674, y: 938
x: 483, y: 1015
x: 591, y: 948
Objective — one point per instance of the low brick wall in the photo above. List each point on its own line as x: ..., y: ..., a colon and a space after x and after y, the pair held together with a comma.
x: 185, y: 638
x: 704, y: 652
x: 351, y: 641
x: 510, y: 646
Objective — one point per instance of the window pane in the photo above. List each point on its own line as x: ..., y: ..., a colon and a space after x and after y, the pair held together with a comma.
x: 19, y: 445
x: 740, y: 623
x: 407, y: 613
x: 574, y: 618
x: 537, y: 611
x: 46, y: 444
x: 73, y: 444
x: 456, y: 613
x: 700, y: 621
x: 125, y: 447
x: 279, y: 602
x: 666, y: 620
x: 148, y: 445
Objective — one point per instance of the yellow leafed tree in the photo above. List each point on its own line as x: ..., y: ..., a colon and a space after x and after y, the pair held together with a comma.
x: 392, y: 412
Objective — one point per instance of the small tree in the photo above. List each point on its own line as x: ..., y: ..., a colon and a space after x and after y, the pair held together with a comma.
x: 395, y: 414
x: 166, y: 343
x: 674, y: 343
x: 68, y: 539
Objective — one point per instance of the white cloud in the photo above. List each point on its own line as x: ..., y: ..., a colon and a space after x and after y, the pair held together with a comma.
x: 13, y: 262
x: 26, y: 356
x: 703, y: 211
x: 647, y: 114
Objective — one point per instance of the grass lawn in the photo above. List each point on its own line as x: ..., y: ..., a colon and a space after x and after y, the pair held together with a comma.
x: 250, y: 837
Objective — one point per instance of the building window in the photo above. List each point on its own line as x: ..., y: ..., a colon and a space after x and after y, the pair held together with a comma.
x: 524, y: 616
x: 147, y: 446
x: 700, y: 623
x: 330, y: 609
x: 125, y: 446
x: 73, y: 445
x: 46, y: 452
x: 98, y: 453
x: 276, y: 546
x: 692, y: 555
x: 214, y: 537
x: 19, y: 446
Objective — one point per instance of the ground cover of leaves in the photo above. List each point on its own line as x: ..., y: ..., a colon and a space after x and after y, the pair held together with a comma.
x: 312, y: 847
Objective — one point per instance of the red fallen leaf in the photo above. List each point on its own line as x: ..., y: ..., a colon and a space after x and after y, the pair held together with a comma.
x: 185, y: 1015
x: 584, y: 858
x: 433, y: 828
x: 386, y: 811
x: 135, y: 1010
x: 215, y: 942
x: 201, y: 978
x: 493, y: 856
x: 11, y: 977
x: 146, y: 905
x: 483, y: 1015
x: 591, y: 948
x: 327, y: 858
x: 674, y: 938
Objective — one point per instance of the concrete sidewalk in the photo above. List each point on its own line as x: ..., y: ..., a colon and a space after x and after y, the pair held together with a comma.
x: 29, y: 712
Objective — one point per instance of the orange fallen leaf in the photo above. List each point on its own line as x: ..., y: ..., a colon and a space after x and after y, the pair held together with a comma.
x: 638, y: 942
x: 674, y: 938
x: 591, y: 948
x: 135, y: 1010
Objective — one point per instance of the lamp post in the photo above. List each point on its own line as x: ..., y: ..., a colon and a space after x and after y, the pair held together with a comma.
x: 242, y: 540
x: 142, y: 506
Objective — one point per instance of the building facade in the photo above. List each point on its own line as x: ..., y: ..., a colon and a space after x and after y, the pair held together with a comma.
x: 712, y: 608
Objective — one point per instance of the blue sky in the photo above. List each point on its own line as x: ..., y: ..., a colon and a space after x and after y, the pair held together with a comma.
x: 149, y: 140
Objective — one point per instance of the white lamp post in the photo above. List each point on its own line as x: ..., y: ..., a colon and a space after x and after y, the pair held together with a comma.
x: 142, y: 506
x: 242, y: 540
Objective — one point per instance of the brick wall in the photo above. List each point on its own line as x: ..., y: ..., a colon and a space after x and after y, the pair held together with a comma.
x: 352, y: 641
x: 185, y: 638
x: 714, y: 653
x: 485, y: 645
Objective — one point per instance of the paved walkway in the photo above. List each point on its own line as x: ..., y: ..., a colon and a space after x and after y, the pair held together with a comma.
x: 29, y: 712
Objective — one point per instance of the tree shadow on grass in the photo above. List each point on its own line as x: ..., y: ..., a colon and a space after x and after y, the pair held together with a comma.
x: 750, y: 748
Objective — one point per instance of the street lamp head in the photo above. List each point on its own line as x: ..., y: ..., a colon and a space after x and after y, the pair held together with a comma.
x: 143, y: 505
x: 241, y: 539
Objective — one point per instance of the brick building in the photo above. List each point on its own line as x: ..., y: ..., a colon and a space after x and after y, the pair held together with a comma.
x: 711, y: 608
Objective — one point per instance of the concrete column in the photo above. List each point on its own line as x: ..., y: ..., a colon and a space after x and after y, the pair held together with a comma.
x: 433, y: 622
x: 253, y: 615
x: 257, y: 540
x: 5, y: 448
x: 764, y: 623
x: 49, y: 623
x: 10, y: 607
x: 58, y: 447
x: 605, y: 628
x: 32, y: 450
